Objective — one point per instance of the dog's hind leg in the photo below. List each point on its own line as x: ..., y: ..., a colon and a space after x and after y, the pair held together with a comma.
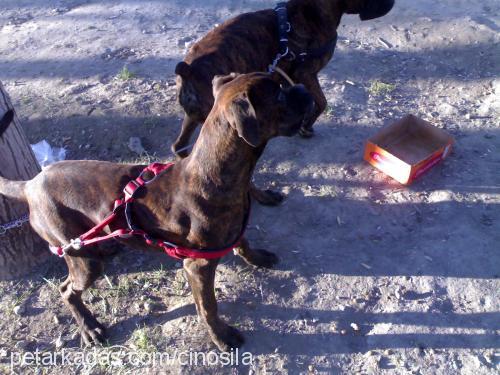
x: 82, y: 274
x: 189, y: 125
x: 255, y: 257
x: 201, y: 277
x: 310, y: 81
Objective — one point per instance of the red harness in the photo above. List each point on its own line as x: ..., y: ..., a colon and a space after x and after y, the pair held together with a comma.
x: 178, y: 252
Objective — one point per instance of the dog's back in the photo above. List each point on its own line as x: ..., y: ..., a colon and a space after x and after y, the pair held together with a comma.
x: 237, y: 45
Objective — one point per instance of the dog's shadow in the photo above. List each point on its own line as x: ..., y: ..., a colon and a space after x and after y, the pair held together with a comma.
x: 340, y: 340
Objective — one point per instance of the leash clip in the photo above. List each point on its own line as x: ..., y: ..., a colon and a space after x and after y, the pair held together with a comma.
x: 292, y: 57
x: 279, y: 56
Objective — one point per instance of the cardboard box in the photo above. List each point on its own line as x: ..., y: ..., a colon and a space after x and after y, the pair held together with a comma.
x: 408, y: 148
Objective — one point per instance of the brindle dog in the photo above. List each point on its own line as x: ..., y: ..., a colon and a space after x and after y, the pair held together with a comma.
x: 250, y: 42
x: 200, y: 202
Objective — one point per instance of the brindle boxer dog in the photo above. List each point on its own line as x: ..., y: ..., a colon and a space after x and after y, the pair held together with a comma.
x: 200, y: 202
x: 250, y: 42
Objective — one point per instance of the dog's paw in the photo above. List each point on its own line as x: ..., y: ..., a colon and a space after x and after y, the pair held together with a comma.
x: 306, y: 132
x: 228, y: 338
x: 266, y: 259
x: 261, y: 258
x: 268, y: 197
x: 94, y: 334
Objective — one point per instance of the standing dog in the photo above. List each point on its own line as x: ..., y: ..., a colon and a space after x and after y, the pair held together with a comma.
x: 200, y: 202
x: 250, y: 42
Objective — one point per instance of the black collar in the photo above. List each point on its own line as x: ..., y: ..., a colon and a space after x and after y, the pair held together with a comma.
x: 284, y: 28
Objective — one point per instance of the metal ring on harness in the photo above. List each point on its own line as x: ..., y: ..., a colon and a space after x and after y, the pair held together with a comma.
x: 146, y: 182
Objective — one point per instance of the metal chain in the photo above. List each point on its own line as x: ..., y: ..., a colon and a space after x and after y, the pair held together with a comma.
x: 14, y: 224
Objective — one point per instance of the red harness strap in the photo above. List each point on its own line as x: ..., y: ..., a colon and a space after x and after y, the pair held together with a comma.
x: 178, y: 252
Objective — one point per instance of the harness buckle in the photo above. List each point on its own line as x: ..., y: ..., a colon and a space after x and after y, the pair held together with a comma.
x: 131, y: 188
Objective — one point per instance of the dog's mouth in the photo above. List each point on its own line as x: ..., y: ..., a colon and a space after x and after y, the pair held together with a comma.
x: 300, y: 105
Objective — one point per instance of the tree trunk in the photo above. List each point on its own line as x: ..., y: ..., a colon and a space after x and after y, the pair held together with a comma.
x: 20, y: 247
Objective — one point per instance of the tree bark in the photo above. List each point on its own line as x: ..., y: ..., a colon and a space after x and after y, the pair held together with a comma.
x: 20, y: 248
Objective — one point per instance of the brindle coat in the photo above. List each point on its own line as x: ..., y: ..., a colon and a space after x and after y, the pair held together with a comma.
x: 249, y: 43
x: 200, y: 202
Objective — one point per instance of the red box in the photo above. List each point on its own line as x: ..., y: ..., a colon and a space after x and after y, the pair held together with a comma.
x: 408, y: 148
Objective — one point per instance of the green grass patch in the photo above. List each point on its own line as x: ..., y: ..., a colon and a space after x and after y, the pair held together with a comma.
x: 142, y: 339
x: 378, y: 88
x: 125, y: 74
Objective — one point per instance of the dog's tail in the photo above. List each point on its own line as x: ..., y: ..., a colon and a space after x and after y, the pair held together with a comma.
x: 10, y: 189
x: 13, y: 189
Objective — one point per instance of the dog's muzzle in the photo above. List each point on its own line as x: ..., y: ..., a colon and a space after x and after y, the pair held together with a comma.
x: 300, y: 105
x: 375, y: 9
x: 300, y: 99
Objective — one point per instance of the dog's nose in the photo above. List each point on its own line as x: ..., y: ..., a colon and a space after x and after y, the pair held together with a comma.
x: 300, y: 99
x: 375, y: 9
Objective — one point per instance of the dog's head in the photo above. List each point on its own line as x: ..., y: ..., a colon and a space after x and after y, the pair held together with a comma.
x: 193, y: 89
x: 258, y: 108
x: 368, y: 9
x: 6, y: 120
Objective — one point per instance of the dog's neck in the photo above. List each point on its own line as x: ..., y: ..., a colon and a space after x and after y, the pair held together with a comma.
x: 221, y: 163
x: 320, y: 17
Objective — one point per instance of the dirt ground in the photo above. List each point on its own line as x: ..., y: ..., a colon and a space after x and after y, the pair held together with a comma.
x: 374, y: 278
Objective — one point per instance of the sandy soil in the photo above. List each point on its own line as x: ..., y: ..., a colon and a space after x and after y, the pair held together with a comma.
x: 374, y: 277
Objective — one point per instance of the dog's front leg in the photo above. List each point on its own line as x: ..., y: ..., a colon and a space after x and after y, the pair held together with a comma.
x: 310, y: 81
x: 255, y: 257
x: 201, y: 277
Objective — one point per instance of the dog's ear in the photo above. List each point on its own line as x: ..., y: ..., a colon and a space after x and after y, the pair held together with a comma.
x: 183, y: 69
x: 220, y: 81
x: 242, y: 117
x: 6, y: 120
